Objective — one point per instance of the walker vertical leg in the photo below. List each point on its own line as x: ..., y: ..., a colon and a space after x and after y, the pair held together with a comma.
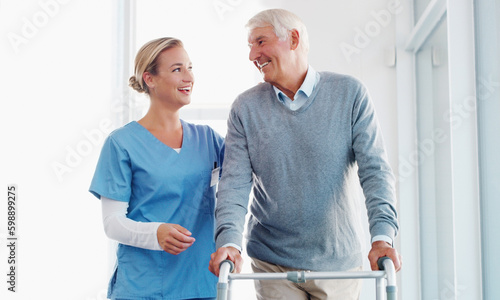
x: 379, y: 283
x: 224, y: 284
x: 229, y: 290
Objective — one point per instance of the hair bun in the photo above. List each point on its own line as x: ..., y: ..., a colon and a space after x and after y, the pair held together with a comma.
x: 133, y: 83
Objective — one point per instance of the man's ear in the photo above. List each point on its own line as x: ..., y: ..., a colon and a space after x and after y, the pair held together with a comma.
x: 294, y: 39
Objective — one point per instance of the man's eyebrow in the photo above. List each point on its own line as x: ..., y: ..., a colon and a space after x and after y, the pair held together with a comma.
x: 260, y: 37
x: 257, y: 39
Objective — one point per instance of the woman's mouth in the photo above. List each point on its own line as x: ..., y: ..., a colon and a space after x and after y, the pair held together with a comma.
x: 185, y: 90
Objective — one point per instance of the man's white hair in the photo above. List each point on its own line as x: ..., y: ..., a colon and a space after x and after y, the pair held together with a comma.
x: 282, y: 22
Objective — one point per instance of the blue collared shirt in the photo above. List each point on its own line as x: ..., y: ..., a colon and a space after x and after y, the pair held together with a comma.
x: 302, y: 95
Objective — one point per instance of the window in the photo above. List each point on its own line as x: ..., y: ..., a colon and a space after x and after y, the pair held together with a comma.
x: 488, y: 109
x: 446, y: 149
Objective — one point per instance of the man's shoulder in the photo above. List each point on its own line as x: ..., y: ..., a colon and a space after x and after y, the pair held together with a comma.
x: 332, y: 77
x: 255, y: 95
x: 260, y: 89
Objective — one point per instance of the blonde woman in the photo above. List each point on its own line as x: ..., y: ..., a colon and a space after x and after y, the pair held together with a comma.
x: 156, y: 180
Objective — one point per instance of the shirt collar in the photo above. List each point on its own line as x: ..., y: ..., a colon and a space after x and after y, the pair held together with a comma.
x: 312, y: 78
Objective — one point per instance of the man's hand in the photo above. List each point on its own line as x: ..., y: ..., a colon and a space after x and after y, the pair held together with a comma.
x: 174, y: 238
x: 224, y: 253
x: 381, y: 249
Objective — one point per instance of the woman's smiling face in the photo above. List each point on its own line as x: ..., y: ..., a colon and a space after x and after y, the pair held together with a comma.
x: 174, y: 80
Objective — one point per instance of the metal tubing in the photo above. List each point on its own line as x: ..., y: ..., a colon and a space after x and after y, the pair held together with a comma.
x: 381, y: 277
x: 391, y: 288
x: 379, y: 288
x: 223, y: 284
x: 309, y: 275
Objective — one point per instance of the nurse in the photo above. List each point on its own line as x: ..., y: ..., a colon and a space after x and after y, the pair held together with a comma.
x: 156, y: 179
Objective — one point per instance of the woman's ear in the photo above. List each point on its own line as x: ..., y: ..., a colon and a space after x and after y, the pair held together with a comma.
x: 148, y: 79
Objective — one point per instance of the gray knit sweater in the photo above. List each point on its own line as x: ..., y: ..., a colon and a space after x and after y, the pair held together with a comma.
x: 301, y: 167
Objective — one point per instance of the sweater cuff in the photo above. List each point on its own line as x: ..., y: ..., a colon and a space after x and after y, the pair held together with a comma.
x: 384, y: 238
x: 233, y: 245
x: 383, y: 229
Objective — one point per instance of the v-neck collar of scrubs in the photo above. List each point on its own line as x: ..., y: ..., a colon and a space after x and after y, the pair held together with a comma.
x: 162, y: 144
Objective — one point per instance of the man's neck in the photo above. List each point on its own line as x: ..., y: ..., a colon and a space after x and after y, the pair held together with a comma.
x: 293, y: 84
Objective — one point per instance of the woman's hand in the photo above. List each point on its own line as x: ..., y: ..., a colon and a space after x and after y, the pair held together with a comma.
x: 174, y: 238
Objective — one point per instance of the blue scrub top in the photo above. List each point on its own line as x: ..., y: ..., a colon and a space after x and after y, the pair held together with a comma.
x: 162, y: 185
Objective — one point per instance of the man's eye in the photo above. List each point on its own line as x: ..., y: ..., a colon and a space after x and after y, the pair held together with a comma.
x: 176, y: 70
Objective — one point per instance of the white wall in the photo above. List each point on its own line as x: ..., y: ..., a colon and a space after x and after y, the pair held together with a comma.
x: 55, y: 78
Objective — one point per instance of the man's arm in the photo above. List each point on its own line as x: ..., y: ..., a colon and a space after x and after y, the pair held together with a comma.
x: 376, y: 178
x: 232, y: 196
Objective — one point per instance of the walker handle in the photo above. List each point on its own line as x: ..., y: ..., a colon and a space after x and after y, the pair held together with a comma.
x: 385, y: 263
x: 380, y: 262
x: 225, y: 267
x: 231, y: 264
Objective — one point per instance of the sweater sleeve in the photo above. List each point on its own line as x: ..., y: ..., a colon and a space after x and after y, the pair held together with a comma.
x: 234, y: 187
x: 374, y: 171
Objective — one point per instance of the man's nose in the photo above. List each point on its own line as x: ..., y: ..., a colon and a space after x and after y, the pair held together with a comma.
x: 254, y: 53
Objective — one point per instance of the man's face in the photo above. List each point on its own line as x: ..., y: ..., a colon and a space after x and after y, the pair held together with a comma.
x: 270, y: 55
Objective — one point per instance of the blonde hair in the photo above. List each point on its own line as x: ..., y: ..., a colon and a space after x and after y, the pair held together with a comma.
x: 146, y: 60
x: 282, y: 22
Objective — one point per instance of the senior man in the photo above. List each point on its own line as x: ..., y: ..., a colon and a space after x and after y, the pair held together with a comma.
x: 298, y: 141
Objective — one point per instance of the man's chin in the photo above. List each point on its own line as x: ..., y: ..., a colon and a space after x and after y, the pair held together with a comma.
x: 265, y: 77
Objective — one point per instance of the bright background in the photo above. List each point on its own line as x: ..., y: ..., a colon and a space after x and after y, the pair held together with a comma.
x: 63, y: 89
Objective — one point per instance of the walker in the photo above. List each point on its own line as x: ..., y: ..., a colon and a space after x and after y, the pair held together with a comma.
x: 384, y: 278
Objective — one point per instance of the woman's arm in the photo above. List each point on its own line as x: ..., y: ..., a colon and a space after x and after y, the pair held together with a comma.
x: 171, y: 238
x: 126, y: 231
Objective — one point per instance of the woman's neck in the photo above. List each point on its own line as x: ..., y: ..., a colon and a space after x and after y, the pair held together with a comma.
x: 165, y: 125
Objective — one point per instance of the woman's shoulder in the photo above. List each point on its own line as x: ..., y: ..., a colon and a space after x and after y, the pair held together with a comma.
x: 200, y: 128
x: 205, y: 132
x: 124, y: 133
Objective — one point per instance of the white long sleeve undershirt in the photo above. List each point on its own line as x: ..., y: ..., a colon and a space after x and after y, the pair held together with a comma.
x: 126, y: 231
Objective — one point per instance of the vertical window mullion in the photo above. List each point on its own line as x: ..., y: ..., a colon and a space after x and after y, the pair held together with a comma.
x: 487, y: 42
